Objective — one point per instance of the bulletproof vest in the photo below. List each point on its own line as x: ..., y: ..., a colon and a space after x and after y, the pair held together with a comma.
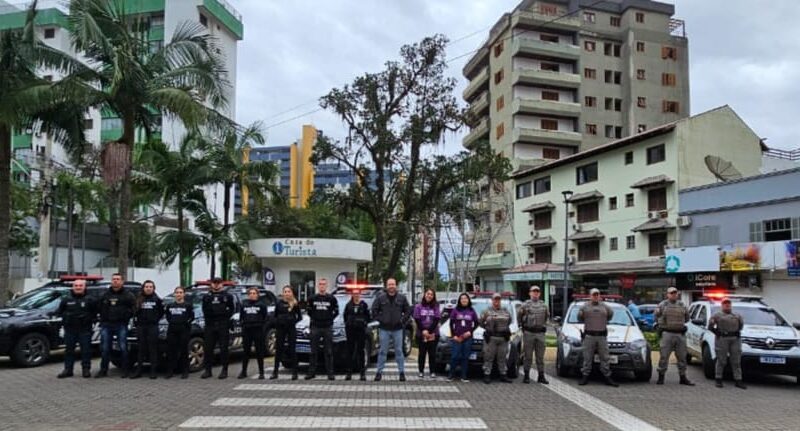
x: 595, y: 317
x: 535, y: 314
x: 217, y: 306
x: 673, y: 315
x: 727, y: 322
x: 498, y: 321
x: 77, y: 311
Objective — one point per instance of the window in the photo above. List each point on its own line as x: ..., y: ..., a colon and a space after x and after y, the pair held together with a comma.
x: 548, y: 9
x: 501, y: 247
x: 498, y: 49
x: 640, y: 74
x: 550, y: 95
x: 551, y: 153
x: 550, y: 67
x: 612, y: 49
x: 88, y: 124
x: 778, y: 229
x: 586, y: 173
x: 541, y: 185
x: 640, y: 17
x: 501, y: 103
x: 499, y: 216
x: 613, y: 77
x: 543, y: 254
x: 617, y: 77
x: 588, y: 251
x: 549, y: 124
x: 671, y: 106
x: 591, y: 129
x: 588, y: 212
x: 523, y: 190
x: 590, y: 101
x: 542, y: 220
x: 589, y: 45
x: 657, y: 243
x: 613, y: 131
x: 589, y: 17
x: 639, y: 46
x: 612, y: 203
x: 669, y: 53
x: 656, y: 154
x: 49, y: 33
x: 628, y: 200
x: 629, y: 158
x: 657, y: 199
x: 613, y: 104
x: 708, y: 235
x: 641, y: 102
x: 203, y: 20
x: 500, y: 131
x: 641, y: 128
x: 630, y: 242
x: 498, y: 77
x: 614, y: 21
x: 668, y: 79
x: 548, y: 38
x: 589, y: 73
x: 613, y: 244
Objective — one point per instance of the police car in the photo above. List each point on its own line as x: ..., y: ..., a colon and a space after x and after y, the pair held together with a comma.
x: 627, y: 347
x: 769, y: 343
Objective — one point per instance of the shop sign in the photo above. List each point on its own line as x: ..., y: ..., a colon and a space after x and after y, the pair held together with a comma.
x: 269, y: 277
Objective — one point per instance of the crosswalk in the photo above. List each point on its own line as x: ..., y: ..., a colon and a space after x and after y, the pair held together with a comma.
x: 322, y: 404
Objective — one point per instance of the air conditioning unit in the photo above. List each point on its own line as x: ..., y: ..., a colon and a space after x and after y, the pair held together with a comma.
x: 577, y: 228
x: 652, y: 215
x: 663, y: 214
x: 535, y: 234
x: 684, y: 221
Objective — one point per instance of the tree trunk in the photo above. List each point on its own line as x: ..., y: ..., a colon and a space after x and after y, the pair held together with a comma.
x: 5, y: 210
x: 128, y: 138
x: 436, y: 245
x: 213, y: 269
x: 70, y: 228
x: 226, y: 204
x: 377, y: 255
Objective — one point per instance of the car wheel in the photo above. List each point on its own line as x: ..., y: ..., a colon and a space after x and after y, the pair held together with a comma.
x: 271, y: 342
x: 561, y: 369
x: 31, y: 350
x: 709, y: 367
x: 513, y: 362
x: 196, y: 354
x: 645, y: 374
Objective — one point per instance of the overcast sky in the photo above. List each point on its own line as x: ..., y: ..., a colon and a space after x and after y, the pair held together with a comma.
x: 741, y: 54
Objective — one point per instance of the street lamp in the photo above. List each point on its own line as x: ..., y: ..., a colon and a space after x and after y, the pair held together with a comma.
x: 567, y: 195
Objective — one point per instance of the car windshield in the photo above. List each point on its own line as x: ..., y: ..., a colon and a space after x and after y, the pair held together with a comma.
x: 764, y: 316
x: 38, y: 299
x: 621, y: 316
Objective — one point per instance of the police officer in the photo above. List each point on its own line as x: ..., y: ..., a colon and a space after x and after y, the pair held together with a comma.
x: 496, y: 321
x: 533, y: 316
x: 727, y: 326
x: 218, y: 307
x: 672, y: 316
x: 254, y: 321
x: 356, y: 317
x: 595, y: 315
x: 322, y: 310
x: 180, y: 315
x: 117, y: 306
x: 287, y: 314
x: 149, y: 310
x: 77, y: 311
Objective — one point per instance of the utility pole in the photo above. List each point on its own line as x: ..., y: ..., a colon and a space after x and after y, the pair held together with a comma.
x: 462, y: 270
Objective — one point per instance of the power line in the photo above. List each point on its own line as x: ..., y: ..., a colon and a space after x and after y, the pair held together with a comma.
x: 292, y: 119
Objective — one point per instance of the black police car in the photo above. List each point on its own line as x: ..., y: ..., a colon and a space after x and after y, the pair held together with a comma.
x: 29, y: 330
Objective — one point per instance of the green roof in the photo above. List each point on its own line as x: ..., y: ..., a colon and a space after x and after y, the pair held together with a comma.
x: 232, y: 22
x: 44, y: 17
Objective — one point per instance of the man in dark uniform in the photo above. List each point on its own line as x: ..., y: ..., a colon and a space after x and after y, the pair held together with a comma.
x: 356, y: 317
x: 117, y: 306
x: 218, y: 307
x: 322, y: 310
x: 77, y: 312
x: 595, y: 315
x: 672, y: 316
x: 727, y: 327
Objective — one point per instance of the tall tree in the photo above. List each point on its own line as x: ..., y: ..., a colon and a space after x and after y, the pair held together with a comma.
x: 393, y: 116
x: 139, y: 83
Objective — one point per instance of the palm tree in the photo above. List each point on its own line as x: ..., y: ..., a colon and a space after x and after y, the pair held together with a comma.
x: 233, y: 169
x: 140, y: 83
x: 29, y: 102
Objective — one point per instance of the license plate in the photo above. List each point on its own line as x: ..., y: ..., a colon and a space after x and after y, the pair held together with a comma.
x: 303, y: 348
x: 473, y: 356
x: 772, y: 360
x: 612, y: 359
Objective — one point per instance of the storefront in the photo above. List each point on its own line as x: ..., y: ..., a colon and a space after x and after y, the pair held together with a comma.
x: 301, y: 262
x: 643, y: 281
x: 549, y: 277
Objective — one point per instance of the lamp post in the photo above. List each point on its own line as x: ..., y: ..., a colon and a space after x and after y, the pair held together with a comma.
x: 567, y: 195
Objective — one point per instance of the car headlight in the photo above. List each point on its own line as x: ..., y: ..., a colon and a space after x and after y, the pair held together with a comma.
x: 572, y: 341
x: 638, y: 344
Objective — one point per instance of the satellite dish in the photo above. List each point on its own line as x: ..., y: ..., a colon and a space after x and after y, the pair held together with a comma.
x: 722, y: 169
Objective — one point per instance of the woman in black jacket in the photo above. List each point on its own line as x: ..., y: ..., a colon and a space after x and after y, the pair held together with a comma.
x: 149, y: 310
x: 254, y: 322
x: 287, y: 314
x: 180, y: 315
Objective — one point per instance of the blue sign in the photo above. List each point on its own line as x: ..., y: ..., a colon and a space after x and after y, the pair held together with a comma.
x: 673, y: 264
x: 277, y: 247
x: 269, y: 277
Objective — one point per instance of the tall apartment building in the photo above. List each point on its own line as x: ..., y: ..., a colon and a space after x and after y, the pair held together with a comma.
x: 556, y: 77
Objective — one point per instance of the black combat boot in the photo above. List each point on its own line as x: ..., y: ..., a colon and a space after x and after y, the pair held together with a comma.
x: 584, y: 380
x: 223, y: 374
x: 348, y: 377
x: 740, y: 384
x: 686, y: 381
x: 611, y: 382
x: 206, y: 374
x: 487, y: 379
x: 86, y: 373
x: 137, y: 373
x: 660, y: 380
x: 527, y: 378
x: 294, y: 375
x: 363, y: 376
x: 718, y: 383
x: 542, y: 379
x: 65, y: 373
x: 242, y: 374
x: 102, y: 373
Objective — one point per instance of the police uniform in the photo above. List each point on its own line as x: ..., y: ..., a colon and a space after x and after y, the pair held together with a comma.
x: 286, y: 319
x: 356, y: 318
x: 149, y: 310
x: 218, y: 307
x: 322, y: 310
x: 595, y: 317
x: 533, y: 316
x: 254, y: 321
x: 727, y: 328
x: 497, y: 332
x: 672, y: 317
x: 77, y: 314
x: 180, y: 318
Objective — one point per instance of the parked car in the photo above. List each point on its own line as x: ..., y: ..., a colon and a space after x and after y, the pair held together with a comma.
x: 628, y: 349
x: 769, y: 343
x: 29, y: 330
x: 648, y: 320
x: 481, y: 302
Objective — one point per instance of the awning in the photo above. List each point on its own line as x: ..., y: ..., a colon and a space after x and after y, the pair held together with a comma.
x: 539, y: 206
x: 651, y: 266
x: 587, y: 235
x: 593, y: 195
x: 655, y: 181
x: 653, y: 225
x: 535, y: 242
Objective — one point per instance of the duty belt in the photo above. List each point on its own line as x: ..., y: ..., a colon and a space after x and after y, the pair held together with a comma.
x: 539, y: 330
x: 728, y: 334
x: 596, y: 333
x: 676, y: 331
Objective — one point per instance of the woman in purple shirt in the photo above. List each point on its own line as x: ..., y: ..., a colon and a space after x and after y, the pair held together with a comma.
x: 426, y: 314
x: 463, y: 320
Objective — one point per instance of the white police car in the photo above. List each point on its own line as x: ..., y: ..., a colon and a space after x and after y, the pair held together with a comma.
x: 769, y: 343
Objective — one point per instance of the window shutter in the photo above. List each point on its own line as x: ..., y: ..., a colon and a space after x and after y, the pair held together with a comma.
x: 796, y: 228
x: 756, y: 232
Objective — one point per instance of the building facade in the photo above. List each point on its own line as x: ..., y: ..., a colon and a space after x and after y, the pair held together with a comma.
x: 556, y: 77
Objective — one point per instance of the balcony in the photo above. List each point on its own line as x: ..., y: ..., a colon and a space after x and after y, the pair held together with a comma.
x: 545, y: 107
x: 480, y: 106
x: 552, y: 137
x: 545, y: 77
x: 480, y: 58
x: 534, y: 47
x: 480, y: 82
x: 478, y: 132
x: 533, y: 20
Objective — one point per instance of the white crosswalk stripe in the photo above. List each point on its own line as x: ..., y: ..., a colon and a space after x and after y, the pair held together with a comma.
x: 342, y: 403
x: 369, y: 387
x: 310, y: 422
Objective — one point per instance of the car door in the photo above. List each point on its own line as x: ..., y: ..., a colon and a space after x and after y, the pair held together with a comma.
x: 693, y: 331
